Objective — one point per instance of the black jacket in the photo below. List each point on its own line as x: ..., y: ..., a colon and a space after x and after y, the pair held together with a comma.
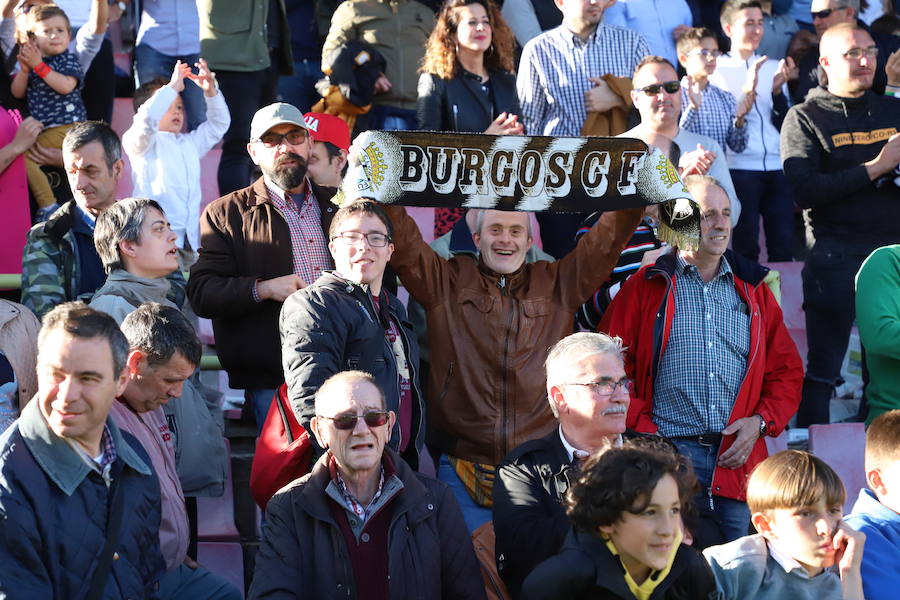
x: 824, y: 143
x: 586, y: 569
x: 303, y: 553
x: 530, y: 520
x: 458, y: 104
x: 332, y: 326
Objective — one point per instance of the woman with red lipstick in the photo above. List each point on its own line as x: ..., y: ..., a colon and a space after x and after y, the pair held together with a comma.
x: 627, y: 540
x: 467, y: 82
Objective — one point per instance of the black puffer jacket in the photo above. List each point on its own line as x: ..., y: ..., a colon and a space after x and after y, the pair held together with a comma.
x: 332, y: 326
x: 586, y: 569
x: 53, y: 516
x: 303, y: 552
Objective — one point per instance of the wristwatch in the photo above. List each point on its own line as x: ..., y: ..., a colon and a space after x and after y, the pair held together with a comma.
x: 763, y: 426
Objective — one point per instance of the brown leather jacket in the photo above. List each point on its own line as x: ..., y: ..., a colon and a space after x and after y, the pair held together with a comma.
x: 489, y: 334
x: 243, y: 238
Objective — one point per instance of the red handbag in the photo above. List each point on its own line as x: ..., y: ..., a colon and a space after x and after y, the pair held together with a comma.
x: 283, y: 450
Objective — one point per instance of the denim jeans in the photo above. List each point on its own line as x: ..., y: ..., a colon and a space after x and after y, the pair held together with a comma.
x: 764, y: 193
x: 721, y: 519
x: 260, y: 400
x: 299, y: 89
x: 829, y: 304
x: 391, y: 118
x: 149, y: 64
x: 475, y: 515
x: 196, y: 584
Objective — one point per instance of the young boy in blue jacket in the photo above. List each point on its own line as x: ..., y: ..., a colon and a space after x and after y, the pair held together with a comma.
x: 877, y: 511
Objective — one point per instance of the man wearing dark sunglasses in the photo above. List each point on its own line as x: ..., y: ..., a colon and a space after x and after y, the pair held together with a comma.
x: 840, y: 150
x: 828, y: 13
x: 347, y: 320
x: 363, y: 523
x: 258, y: 246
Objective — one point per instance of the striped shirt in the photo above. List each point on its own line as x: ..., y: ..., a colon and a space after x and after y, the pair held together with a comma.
x: 304, y: 220
x: 554, y: 71
x: 705, y: 359
x: 714, y: 118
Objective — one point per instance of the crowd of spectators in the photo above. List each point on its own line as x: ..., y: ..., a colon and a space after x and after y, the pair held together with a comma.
x: 594, y: 407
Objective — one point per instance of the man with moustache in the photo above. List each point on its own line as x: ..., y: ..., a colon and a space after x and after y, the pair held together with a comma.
x: 588, y: 393
x: 840, y: 151
x: 258, y: 246
x: 713, y: 365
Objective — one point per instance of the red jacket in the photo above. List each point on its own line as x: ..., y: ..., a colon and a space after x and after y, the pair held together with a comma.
x: 641, y: 314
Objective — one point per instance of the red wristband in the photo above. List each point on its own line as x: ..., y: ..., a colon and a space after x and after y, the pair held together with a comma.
x: 41, y: 69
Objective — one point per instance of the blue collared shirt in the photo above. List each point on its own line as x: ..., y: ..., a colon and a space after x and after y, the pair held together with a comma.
x: 554, y: 71
x: 705, y: 359
x: 171, y: 27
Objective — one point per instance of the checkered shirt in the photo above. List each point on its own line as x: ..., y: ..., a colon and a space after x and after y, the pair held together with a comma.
x: 554, y: 71
x: 714, y: 118
x: 108, y: 454
x: 705, y: 359
x: 310, y: 248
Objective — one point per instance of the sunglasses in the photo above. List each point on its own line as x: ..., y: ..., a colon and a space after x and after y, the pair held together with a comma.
x: 824, y: 14
x: 670, y: 87
x: 373, y: 418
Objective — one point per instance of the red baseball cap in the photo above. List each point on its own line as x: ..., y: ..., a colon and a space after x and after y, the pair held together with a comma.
x: 328, y: 128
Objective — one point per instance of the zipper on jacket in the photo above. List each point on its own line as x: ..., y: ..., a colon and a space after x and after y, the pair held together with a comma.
x: 504, y: 384
x: 377, y: 320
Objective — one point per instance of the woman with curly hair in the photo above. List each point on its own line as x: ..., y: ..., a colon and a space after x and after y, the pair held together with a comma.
x: 467, y: 81
x: 627, y: 540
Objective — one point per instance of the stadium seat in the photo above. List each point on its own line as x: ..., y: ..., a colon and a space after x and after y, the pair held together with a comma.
x: 215, y: 516
x: 843, y: 447
x: 225, y: 559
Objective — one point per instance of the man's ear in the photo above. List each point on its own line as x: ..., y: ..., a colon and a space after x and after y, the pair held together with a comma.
x: 823, y: 60
x: 763, y: 524
x: 557, y: 397
x: 251, y: 150
x: 136, y: 362
x: 117, y: 169
x: 315, y: 424
x: 341, y: 160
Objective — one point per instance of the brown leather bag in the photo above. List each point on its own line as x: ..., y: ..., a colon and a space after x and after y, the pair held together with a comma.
x: 484, y: 541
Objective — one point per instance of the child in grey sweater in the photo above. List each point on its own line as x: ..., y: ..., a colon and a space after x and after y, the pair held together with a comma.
x: 803, y: 550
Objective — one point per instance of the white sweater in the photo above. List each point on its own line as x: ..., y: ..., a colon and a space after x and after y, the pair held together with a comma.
x: 166, y: 166
x: 763, y: 144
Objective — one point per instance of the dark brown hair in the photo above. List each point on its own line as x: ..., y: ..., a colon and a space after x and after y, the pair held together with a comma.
x: 692, y: 38
x: 143, y: 93
x: 793, y: 478
x: 363, y: 206
x: 622, y: 480
x: 440, y: 50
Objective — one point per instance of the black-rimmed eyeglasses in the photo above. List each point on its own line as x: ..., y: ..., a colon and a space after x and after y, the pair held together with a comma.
x: 376, y: 240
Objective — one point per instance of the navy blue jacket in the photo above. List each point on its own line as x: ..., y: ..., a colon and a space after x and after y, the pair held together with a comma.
x: 53, y: 516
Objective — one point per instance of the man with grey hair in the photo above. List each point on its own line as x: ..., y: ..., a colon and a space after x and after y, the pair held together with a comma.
x: 589, y: 395
x: 79, y: 496
x: 362, y: 519
x: 164, y: 351
x: 714, y: 367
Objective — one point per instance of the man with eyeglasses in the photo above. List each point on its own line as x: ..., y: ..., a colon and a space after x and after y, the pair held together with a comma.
x: 714, y: 367
x: 840, y: 150
x: 258, y: 246
x: 588, y: 393
x: 347, y: 320
x: 826, y: 14
x: 363, y: 524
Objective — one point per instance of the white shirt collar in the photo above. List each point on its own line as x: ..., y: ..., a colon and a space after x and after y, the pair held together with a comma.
x: 570, y: 449
x: 787, y: 562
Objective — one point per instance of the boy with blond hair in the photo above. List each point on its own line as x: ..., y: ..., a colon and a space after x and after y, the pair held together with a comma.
x: 803, y: 550
x: 877, y: 511
x: 50, y: 78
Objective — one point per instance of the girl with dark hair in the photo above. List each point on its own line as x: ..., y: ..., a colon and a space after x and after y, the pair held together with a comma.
x: 627, y: 540
x: 467, y: 81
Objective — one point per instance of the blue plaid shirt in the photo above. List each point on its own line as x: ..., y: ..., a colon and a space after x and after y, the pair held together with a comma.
x: 554, y: 71
x: 705, y: 359
x: 714, y: 118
